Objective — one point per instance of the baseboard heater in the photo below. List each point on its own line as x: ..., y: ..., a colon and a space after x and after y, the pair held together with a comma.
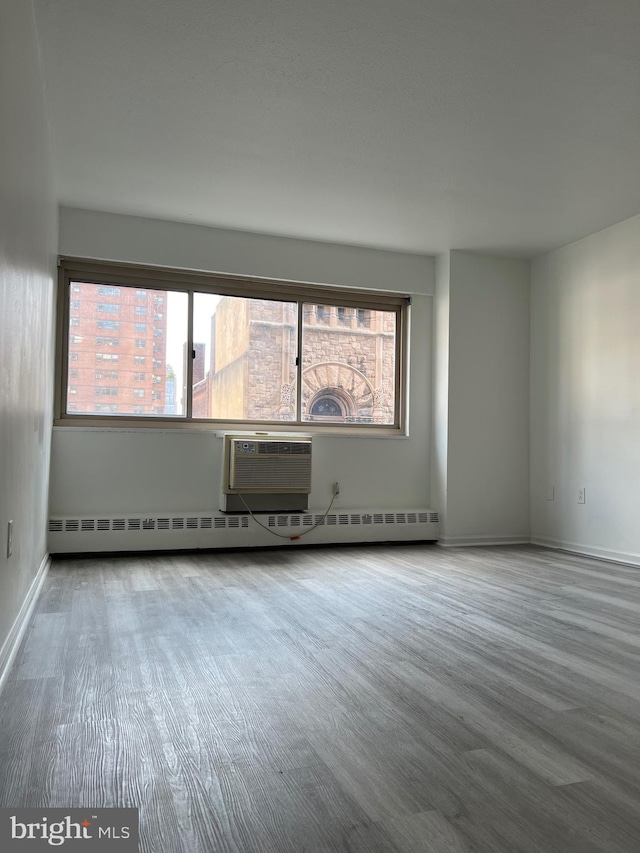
x: 177, y: 531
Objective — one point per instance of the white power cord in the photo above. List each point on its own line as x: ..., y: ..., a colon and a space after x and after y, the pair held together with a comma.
x: 295, y: 536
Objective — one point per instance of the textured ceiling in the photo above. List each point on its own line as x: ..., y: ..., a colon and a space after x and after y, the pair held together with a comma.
x: 421, y: 125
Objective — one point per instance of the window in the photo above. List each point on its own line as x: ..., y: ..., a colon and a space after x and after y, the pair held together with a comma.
x: 74, y: 321
x: 75, y: 304
x: 236, y: 351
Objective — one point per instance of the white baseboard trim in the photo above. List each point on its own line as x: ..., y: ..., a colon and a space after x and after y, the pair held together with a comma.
x: 587, y: 550
x: 483, y: 539
x: 11, y: 645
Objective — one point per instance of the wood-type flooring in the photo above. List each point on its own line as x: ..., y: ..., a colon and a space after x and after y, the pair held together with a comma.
x: 382, y: 699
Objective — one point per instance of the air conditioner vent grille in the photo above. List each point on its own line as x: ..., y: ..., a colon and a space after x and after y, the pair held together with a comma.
x: 277, y: 448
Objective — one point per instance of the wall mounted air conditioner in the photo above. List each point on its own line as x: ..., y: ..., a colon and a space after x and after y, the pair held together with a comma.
x: 266, y: 473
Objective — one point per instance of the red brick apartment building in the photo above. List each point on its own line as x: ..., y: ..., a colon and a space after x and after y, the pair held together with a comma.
x: 117, y: 350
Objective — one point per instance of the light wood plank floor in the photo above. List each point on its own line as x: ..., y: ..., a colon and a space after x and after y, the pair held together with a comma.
x: 392, y: 699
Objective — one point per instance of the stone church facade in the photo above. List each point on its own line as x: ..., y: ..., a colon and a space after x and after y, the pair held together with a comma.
x: 348, y: 370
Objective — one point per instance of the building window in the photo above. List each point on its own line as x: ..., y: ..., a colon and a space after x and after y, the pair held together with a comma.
x: 238, y: 352
x: 74, y: 321
x: 138, y: 410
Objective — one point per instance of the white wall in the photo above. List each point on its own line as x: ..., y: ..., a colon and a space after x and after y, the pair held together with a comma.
x: 440, y: 407
x: 585, y: 394
x: 111, y: 471
x: 27, y: 267
x: 483, y: 401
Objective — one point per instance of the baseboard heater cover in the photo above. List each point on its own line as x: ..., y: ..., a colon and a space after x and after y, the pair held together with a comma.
x: 169, y: 531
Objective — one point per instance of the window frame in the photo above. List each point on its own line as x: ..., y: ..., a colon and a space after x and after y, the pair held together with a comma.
x: 143, y: 277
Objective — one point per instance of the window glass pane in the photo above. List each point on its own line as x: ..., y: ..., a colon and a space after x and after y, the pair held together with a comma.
x: 93, y: 352
x: 244, y: 367
x: 348, y: 365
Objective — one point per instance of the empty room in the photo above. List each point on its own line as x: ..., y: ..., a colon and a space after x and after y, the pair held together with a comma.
x: 320, y: 426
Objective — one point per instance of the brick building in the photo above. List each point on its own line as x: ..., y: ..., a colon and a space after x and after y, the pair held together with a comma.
x: 117, y: 350
x: 348, y: 369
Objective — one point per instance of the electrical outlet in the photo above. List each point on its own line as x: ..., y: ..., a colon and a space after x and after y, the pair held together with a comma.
x: 9, y: 539
x: 336, y: 489
x: 582, y: 495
